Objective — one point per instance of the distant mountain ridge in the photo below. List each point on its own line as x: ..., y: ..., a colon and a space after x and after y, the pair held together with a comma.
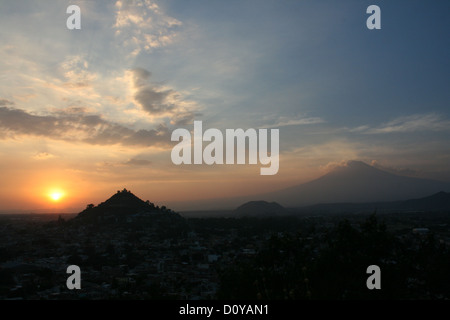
x: 438, y: 202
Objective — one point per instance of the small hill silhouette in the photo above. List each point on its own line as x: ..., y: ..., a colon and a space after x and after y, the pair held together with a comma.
x: 123, y: 204
x: 124, y: 199
x: 259, y: 209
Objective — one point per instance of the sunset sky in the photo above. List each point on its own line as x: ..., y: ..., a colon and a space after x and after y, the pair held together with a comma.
x: 86, y: 112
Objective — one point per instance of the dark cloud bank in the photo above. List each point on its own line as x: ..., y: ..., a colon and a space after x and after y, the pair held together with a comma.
x: 79, y: 126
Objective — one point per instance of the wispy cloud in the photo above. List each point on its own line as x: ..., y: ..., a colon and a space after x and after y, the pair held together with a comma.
x: 293, y: 121
x: 412, y: 123
x: 395, y: 170
x: 137, y: 162
x: 142, y: 25
x: 76, y: 72
x: 43, y: 156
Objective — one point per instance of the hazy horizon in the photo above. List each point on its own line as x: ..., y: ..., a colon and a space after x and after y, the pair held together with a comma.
x: 86, y: 112
x: 339, y: 178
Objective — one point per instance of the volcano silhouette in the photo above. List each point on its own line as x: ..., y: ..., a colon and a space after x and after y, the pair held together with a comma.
x: 356, y: 181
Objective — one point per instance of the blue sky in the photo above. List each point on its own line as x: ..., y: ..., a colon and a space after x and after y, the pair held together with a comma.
x: 97, y: 105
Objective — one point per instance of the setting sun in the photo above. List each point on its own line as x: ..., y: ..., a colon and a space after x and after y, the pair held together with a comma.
x: 56, y: 195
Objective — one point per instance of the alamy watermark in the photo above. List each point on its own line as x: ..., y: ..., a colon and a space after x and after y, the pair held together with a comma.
x: 74, y: 281
x: 236, y: 149
x: 374, y: 20
x: 73, y: 22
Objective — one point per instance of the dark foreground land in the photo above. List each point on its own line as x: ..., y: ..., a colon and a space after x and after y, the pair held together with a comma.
x: 165, y: 256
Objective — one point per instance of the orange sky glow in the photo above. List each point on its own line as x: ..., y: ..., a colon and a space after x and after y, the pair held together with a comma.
x: 87, y: 112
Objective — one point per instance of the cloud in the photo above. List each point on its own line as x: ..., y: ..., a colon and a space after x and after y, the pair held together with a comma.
x: 137, y: 162
x: 362, y: 128
x: 43, y: 156
x: 78, y: 127
x: 292, y: 121
x: 394, y: 170
x: 76, y: 73
x: 327, y: 151
x: 151, y: 99
x: 412, y: 123
x: 332, y: 165
x: 4, y: 102
x: 142, y: 25
x: 158, y: 101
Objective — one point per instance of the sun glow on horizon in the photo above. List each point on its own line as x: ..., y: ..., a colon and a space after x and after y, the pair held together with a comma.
x: 56, y: 195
